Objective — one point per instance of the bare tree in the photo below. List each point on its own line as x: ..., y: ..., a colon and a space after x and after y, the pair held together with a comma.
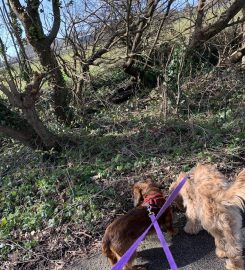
x: 122, y: 25
x: 26, y: 101
x: 41, y: 42
x: 202, y: 33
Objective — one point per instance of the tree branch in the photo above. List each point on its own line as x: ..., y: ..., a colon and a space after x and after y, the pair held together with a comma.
x: 18, y: 9
x: 237, y: 56
x: 200, y: 15
x: 13, y: 87
x: 5, y: 90
x: 204, y: 34
x: 159, y: 31
x: 34, y: 86
x: 56, y: 24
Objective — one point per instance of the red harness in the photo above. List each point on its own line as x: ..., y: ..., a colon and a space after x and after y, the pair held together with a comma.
x: 152, y: 200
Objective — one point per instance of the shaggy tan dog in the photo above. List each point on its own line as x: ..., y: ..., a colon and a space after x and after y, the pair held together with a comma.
x: 214, y: 205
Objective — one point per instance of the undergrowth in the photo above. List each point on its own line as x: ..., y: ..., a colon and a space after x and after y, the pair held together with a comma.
x: 52, y: 211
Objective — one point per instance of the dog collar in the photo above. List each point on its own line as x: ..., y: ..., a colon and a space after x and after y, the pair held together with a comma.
x: 152, y: 200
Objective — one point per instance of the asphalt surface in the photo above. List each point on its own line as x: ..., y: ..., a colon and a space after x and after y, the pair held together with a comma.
x: 191, y: 252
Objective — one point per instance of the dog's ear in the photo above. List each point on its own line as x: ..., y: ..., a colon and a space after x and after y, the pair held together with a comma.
x: 137, y: 194
x: 138, y: 198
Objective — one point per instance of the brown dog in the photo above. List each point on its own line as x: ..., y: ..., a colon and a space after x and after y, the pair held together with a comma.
x: 213, y: 204
x: 123, y: 231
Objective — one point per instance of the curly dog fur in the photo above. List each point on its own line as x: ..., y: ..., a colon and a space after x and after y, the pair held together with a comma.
x: 214, y: 205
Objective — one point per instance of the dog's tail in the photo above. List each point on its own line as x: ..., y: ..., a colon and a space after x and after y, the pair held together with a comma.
x: 235, y: 194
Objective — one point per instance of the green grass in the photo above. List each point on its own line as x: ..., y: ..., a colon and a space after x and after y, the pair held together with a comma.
x: 118, y: 141
x: 118, y: 145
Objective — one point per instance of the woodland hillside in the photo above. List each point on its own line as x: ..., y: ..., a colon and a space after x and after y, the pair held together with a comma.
x: 95, y: 95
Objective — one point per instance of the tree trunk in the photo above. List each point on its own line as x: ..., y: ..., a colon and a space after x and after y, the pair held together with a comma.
x: 61, y: 93
x: 29, y: 15
x: 123, y: 94
x: 243, y: 38
x: 26, y: 101
x: 49, y: 140
x: 15, y: 127
x: 82, y: 82
x: 25, y: 136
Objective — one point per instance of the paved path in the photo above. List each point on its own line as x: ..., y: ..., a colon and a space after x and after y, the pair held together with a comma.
x: 190, y: 253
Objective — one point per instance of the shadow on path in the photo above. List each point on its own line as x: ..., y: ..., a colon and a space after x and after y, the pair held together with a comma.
x: 191, y: 252
x: 186, y: 249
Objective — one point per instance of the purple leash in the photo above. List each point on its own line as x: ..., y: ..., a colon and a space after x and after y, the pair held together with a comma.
x: 164, y: 243
x: 125, y: 258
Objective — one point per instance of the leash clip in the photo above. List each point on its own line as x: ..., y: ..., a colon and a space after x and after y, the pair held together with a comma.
x: 149, y: 208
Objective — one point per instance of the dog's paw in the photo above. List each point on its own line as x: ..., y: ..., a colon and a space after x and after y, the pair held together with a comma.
x: 234, y: 264
x: 220, y: 253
